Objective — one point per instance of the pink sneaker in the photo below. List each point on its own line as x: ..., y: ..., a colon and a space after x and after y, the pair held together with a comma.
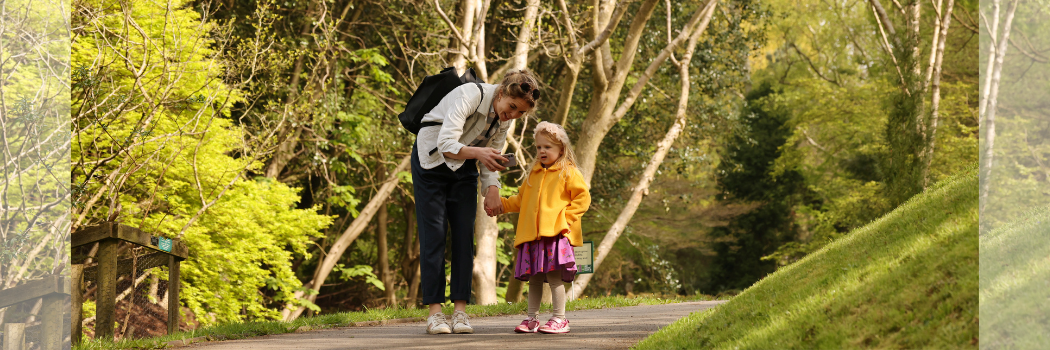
x: 529, y: 325
x: 555, y: 326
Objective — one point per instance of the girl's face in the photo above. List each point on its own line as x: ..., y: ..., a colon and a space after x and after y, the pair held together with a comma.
x: 546, y: 151
x: 509, y: 108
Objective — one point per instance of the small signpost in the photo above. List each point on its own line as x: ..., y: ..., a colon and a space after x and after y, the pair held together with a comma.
x: 584, y: 258
x: 584, y: 263
x: 108, y: 235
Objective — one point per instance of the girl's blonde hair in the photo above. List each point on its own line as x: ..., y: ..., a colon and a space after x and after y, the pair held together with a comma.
x: 556, y: 134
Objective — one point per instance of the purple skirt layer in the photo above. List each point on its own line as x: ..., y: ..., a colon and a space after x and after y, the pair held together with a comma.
x: 545, y: 255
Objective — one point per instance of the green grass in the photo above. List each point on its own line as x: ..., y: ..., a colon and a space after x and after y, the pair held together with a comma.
x: 253, y: 329
x: 908, y: 280
x: 1015, y: 284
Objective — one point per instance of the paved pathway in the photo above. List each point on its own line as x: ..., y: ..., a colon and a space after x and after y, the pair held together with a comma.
x: 613, y: 328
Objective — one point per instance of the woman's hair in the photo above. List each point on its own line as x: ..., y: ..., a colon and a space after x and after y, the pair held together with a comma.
x: 521, y: 84
x: 556, y: 135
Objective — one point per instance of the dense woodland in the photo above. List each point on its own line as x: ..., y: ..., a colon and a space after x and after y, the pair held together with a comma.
x: 721, y: 138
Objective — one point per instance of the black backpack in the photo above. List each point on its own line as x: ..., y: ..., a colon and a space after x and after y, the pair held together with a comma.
x: 430, y: 92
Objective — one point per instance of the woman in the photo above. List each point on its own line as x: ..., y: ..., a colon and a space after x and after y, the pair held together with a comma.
x: 474, y: 121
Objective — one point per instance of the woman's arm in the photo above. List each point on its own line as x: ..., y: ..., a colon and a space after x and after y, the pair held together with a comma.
x: 493, y: 206
x: 489, y: 157
x: 489, y: 174
x: 455, y: 108
x: 467, y: 152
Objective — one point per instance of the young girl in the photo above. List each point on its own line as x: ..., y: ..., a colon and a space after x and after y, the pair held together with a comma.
x: 551, y: 202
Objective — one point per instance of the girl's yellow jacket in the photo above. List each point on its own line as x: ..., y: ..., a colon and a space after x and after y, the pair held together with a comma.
x: 550, y: 203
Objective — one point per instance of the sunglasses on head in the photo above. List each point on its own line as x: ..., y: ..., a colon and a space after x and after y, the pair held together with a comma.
x: 526, y: 87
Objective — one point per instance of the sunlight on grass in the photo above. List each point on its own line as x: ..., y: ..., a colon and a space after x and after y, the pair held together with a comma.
x: 1006, y: 284
x: 907, y: 280
x: 848, y: 284
x: 1015, y: 284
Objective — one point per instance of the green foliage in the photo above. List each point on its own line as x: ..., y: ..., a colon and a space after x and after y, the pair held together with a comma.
x: 907, y: 280
x: 348, y: 273
x: 1020, y: 168
x: 720, y: 75
x: 904, y: 140
x: 855, y: 137
x: 344, y: 196
x: 245, y: 244
x: 747, y: 175
x: 179, y: 154
x: 665, y: 231
x: 34, y: 104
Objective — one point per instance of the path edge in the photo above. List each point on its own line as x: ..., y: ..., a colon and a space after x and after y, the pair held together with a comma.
x: 301, y: 329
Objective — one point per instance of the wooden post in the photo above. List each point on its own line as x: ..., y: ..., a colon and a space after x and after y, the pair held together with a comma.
x: 108, y: 235
x: 51, y: 333
x: 76, y: 327
x: 52, y: 291
x: 14, y: 336
x: 174, y: 311
x: 107, y: 288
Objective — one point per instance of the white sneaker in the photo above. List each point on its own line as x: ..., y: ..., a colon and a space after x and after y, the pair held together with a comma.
x: 438, y: 324
x: 460, y: 323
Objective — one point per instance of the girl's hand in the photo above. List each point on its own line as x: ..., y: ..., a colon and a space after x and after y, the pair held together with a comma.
x: 491, y: 158
x: 493, y: 206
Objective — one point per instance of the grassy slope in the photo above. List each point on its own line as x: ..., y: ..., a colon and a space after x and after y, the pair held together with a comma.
x: 907, y: 280
x: 1015, y: 284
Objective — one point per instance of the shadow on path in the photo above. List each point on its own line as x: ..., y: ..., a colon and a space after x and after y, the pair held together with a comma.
x: 613, y: 328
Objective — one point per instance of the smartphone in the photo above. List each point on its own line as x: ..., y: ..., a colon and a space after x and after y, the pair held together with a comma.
x: 511, y: 161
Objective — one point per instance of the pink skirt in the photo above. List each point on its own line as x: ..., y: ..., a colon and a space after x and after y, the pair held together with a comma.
x: 545, y: 255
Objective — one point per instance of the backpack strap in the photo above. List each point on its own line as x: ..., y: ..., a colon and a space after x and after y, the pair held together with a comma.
x: 423, y: 125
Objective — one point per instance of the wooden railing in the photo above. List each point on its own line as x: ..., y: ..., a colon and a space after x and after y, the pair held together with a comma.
x: 105, y: 272
x: 53, y: 290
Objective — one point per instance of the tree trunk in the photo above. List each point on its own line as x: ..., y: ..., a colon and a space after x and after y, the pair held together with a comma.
x: 935, y: 101
x: 286, y: 147
x: 336, y: 251
x: 914, y: 12
x: 485, y: 235
x: 486, y: 229
x: 521, y: 49
x: 989, y: 111
x: 642, y: 188
x: 568, y: 85
x: 608, y: 84
x: 993, y: 30
x: 413, y: 290
x: 381, y: 246
x: 933, y: 46
x: 479, y: 41
x: 466, y: 21
x: 410, y: 260
x: 283, y: 154
x: 601, y: 116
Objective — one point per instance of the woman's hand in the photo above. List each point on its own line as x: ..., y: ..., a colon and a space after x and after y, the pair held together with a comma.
x: 491, y: 158
x: 493, y: 206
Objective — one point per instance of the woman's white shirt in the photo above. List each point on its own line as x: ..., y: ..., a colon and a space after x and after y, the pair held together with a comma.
x: 462, y: 114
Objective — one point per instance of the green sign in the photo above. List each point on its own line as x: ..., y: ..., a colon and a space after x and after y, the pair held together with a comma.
x: 584, y: 258
x: 164, y: 244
